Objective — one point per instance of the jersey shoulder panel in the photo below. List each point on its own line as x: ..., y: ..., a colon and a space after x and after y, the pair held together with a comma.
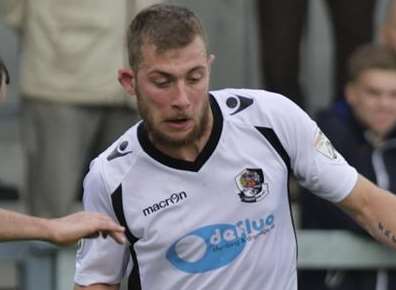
x: 254, y: 107
x: 118, y: 159
x: 248, y: 108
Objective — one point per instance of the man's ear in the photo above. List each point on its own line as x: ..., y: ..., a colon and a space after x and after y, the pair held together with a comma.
x: 3, y: 90
x: 382, y: 31
x: 211, y: 59
x: 126, y: 77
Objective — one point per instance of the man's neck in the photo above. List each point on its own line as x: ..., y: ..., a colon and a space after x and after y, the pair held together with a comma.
x: 375, y: 139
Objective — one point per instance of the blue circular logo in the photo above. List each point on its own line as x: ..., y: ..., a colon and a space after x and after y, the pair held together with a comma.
x: 206, y: 248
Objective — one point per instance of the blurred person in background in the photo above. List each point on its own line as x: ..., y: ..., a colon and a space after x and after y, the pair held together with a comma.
x: 72, y: 104
x: 363, y: 130
x: 62, y: 231
x: 281, y: 26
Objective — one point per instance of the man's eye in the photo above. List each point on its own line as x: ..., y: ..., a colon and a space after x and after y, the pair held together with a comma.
x: 161, y: 83
x: 194, y: 79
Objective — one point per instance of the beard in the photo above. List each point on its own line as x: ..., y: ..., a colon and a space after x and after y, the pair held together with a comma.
x: 161, y: 138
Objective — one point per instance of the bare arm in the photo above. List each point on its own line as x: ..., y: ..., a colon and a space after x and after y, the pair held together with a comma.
x: 62, y: 231
x: 374, y: 209
x: 98, y: 287
x: 16, y: 226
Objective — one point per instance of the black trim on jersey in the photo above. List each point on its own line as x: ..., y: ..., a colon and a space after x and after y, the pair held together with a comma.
x: 273, y: 139
x: 134, y: 278
x: 291, y: 212
x: 207, y: 151
x: 270, y: 135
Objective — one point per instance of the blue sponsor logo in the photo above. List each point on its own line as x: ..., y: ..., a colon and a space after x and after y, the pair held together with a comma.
x: 214, y: 246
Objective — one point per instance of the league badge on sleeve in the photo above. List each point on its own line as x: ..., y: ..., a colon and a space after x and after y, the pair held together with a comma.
x: 323, y: 145
x: 251, y: 184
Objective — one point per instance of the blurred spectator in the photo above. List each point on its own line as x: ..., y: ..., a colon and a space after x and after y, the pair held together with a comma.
x: 72, y: 104
x: 281, y: 25
x: 363, y: 130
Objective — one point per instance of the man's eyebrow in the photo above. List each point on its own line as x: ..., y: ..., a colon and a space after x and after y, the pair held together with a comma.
x: 197, y: 68
x: 160, y: 72
x: 169, y: 75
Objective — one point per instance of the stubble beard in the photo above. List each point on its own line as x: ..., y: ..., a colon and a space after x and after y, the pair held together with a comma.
x: 160, y: 138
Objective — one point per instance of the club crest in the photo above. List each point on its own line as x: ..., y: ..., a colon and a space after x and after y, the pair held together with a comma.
x: 251, y: 184
x: 324, y: 146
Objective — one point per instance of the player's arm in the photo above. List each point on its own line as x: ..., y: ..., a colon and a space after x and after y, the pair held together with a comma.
x: 16, y: 226
x: 69, y: 229
x: 374, y: 209
x: 100, y: 263
x: 97, y: 287
x: 62, y: 231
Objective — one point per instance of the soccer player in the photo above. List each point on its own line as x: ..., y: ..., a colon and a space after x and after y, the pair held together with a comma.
x: 201, y: 184
x: 61, y: 231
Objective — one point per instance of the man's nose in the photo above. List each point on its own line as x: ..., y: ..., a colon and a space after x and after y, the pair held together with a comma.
x: 181, y: 98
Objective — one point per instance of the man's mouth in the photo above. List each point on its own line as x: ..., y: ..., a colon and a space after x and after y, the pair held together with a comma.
x: 179, y: 123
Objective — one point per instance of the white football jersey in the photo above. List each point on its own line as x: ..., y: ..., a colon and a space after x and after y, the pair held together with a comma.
x: 223, y: 221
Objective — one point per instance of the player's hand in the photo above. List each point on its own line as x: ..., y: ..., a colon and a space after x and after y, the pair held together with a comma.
x: 69, y: 229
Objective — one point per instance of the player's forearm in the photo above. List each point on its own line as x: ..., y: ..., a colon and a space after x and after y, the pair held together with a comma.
x: 383, y: 223
x: 16, y: 226
x: 97, y: 287
x: 376, y: 212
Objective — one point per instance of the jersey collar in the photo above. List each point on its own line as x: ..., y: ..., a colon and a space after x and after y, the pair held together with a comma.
x: 207, y: 151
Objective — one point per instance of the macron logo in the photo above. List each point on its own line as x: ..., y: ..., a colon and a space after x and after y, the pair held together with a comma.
x: 172, y: 200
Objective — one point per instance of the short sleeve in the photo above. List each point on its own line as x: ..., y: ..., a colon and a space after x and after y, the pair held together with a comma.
x: 99, y: 260
x: 314, y: 161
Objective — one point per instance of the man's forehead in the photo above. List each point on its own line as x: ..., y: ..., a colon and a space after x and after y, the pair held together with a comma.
x: 192, y: 55
x: 161, y: 47
x: 377, y: 74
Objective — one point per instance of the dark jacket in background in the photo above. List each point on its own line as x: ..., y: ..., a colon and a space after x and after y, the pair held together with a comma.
x: 375, y: 162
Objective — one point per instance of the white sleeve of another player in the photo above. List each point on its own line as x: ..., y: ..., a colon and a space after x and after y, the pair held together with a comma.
x: 99, y: 260
x: 315, y: 162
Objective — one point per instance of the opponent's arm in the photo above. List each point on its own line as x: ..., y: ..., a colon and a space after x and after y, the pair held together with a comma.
x: 62, y: 231
x: 98, y: 287
x: 374, y: 209
x: 17, y: 226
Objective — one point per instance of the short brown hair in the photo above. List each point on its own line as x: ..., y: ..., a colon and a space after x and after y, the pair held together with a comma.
x: 4, y: 73
x: 166, y: 27
x: 371, y: 56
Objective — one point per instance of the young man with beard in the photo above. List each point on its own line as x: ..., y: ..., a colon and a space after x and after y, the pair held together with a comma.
x: 201, y: 184
x: 62, y: 231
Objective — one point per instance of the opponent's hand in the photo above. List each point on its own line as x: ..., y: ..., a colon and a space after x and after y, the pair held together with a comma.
x: 69, y: 229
